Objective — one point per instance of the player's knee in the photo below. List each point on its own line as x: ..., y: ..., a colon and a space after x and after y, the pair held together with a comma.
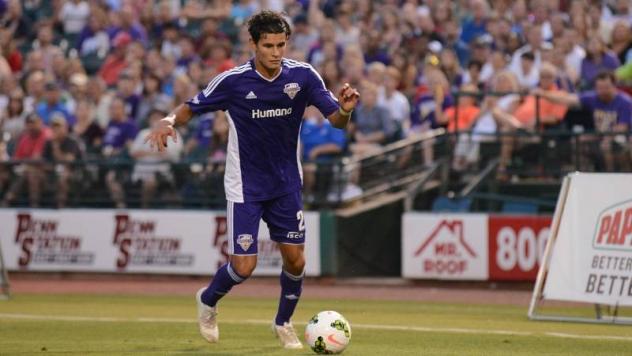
x: 295, y: 265
x: 243, y: 265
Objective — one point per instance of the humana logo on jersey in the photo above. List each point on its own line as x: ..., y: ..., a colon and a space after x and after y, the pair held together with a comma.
x: 263, y: 114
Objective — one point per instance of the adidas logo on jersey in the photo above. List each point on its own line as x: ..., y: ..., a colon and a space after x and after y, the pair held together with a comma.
x: 251, y: 95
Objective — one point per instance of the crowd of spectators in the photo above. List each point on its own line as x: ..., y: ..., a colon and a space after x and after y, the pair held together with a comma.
x: 82, y: 79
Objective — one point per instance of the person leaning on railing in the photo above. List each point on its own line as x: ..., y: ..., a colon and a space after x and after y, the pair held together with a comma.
x: 533, y: 114
x: 611, y: 111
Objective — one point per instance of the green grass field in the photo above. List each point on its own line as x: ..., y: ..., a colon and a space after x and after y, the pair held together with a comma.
x: 151, y: 325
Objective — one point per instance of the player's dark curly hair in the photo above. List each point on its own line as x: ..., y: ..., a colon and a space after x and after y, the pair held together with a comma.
x: 267, y: 22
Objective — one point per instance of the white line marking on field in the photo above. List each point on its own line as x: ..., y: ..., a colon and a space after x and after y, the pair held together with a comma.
x: 355, y: 326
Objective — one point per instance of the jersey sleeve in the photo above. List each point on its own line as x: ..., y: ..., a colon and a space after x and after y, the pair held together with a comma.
x: 213, y: 98
x: 319, y: 95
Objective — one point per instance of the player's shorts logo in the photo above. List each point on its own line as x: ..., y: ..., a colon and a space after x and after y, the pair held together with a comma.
x: 291, y: 89
x: 293, y: 235
x: 245, y: 240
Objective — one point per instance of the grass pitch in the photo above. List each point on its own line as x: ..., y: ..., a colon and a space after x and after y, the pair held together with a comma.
x: 153, y: 325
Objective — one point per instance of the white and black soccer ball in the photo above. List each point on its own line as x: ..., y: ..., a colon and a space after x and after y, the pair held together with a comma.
x: 328, y: 332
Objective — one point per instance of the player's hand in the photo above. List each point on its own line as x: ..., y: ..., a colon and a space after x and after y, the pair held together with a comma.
x: 348, y: 97
x: 158, y: 135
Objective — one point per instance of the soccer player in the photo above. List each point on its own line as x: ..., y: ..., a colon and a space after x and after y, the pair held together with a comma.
x: 264, y: 100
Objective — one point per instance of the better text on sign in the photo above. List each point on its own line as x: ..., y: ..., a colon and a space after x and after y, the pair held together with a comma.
x: 592, y: 254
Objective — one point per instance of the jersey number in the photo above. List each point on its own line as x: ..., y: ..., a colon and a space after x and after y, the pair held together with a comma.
x: 301, y: 220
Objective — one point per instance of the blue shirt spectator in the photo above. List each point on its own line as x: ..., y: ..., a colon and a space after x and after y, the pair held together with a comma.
x: 321, y: 141
x: 53, y: 105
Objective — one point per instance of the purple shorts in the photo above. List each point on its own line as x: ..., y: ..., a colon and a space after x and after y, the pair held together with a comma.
x: 283, y: 215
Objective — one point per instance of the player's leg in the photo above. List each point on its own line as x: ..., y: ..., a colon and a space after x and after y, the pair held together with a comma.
x: 243, y: 225
x: 291, y: 280
x: 284, y: 217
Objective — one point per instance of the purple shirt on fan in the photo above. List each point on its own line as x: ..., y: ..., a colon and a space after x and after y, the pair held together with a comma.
x: 118, y: 133
x: 423, y: 110
x: 590, y: 69
x: 264, y: 117
x: 606, y: 115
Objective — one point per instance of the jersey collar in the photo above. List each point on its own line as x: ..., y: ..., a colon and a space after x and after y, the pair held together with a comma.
x: 254, y: 67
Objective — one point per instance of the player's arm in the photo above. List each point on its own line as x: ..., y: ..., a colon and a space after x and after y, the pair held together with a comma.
x: 347, y: 101
x: 157, y: 138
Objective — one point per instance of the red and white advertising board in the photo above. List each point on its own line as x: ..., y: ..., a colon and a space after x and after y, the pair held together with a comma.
x: 516, y: 246
x: 444, y: 246
x: 138, y: 241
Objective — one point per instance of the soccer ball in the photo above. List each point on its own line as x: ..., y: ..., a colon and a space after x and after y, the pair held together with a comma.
x: 328, y: 332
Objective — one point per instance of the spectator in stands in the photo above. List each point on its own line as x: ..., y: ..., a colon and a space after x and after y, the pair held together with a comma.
x: 60, y: 152
x: 375, y: 74
x: 549, y: 115
x: 527, y: 72
x: 219, y: 142
x: 94, y: 42
x: 116, y: 61
x: 20, y: 27
x: 74, y: 16
x: 372, y: 123
x: 449, y: 64
x: 151, y: 94
x: 533, y: 114
x: 473, y: 74
x: 610, y: 108
x: 87, y: 129
x: 9, y: 50
x: 303, y: 35
x: 53, y: 104
x: 437, y: 94
x: 29, y: 148
x: 494, y: 115
x: 187, y: 54
x: 199, y: 144
x: 126, y: 88
x: 462, y: 116
x: 496, y: 63
x: 169, y: 46
x: 128, y: 24
x: 320, y: 144
x: 533, y: 45
x: 77, y: 90
x: 395, y: 102
x: 119, y: 135
x: 100, y: 99
x: 621, y: 41
x: 14, y: 120
x: 44, y: 44
x: 151, y: 166
x: 34, y: 90
x: 598, y: 58
x: 475, y: 25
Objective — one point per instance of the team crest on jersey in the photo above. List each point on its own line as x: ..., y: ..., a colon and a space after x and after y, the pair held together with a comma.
x: 245, y: 240
x: 291, y: 89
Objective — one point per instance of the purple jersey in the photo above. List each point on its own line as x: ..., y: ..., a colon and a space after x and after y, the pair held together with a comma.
x: 264, y: 117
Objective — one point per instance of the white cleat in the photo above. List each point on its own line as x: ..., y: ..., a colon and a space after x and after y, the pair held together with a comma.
x: 287, y: 336
x: 207, y: 319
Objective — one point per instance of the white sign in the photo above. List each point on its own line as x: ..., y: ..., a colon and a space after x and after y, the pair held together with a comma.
x: 592, y: 254
x: 445, y: 246
x: 141, y: 241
